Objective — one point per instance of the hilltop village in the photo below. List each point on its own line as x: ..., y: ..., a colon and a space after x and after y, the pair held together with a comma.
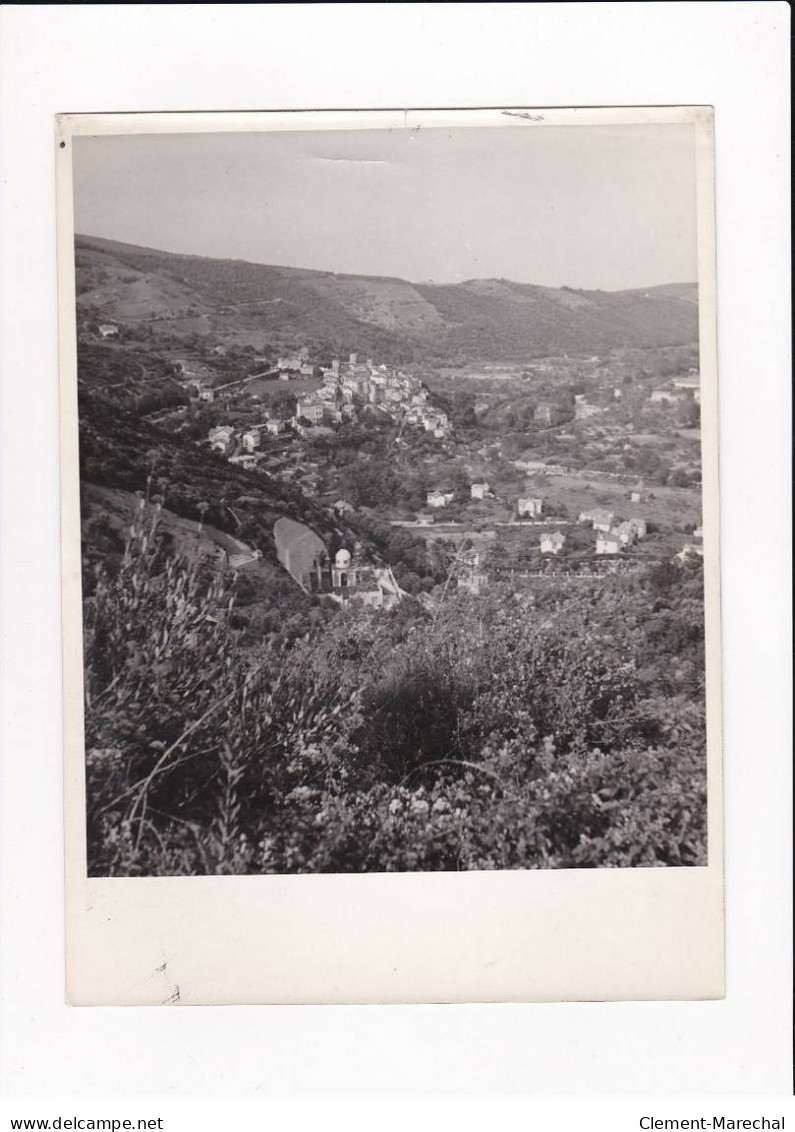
x: 486, y: 468
x: 354, y: 391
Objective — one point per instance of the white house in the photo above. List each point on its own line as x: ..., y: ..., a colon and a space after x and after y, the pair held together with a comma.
x: 479, y: 490
x: 690, y: 384
x: 439, y: 498
x: 607, y: 543
x: 529, y: 506
x: 221, y: 438
x: 108, y: 330
x: 552, y: 543
x: 251, y: 439
x: 599, y: 519
x: 310, y: 410
x: 275, y: 427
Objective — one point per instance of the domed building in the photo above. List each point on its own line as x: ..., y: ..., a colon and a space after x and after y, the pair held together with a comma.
x: 342, y: 575
x: 349, y: 577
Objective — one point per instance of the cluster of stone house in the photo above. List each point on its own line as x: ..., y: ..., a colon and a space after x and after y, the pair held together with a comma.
x: 295, y: 365
x: 351, y: 385
x: 528, y: 506
x: 399, y: 395
x: 196, y: 376
x: 322, y: 409
x: 240, y: 448
x: 612, y: 537
x: 346, y: 577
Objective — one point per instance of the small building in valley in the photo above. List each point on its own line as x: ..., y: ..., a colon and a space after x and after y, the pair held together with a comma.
x: 689, y: 384
x: 599, y: 518
x: 529, y: 507
x: 310, y: 410
x: 608, y: 543
x: 552, y: 542
x: 438, y: 498
x: 221, y: 438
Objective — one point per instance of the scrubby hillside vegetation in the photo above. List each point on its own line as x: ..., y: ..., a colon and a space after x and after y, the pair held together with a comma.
x: 511, y: 731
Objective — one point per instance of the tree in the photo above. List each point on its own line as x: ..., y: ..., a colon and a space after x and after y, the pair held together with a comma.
x: 679, y: 477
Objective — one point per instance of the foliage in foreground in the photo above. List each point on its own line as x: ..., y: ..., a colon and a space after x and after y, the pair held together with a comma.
x: 504, y: 733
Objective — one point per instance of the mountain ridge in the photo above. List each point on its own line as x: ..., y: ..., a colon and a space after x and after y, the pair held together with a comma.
x: 249, y: 303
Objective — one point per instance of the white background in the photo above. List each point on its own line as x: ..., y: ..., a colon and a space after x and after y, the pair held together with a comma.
x: 116, y: 58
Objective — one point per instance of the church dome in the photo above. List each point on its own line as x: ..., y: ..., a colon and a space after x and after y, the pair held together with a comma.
x: 342, y: 559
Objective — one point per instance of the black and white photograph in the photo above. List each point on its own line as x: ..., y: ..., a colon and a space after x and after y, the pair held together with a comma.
x: 391, y: 501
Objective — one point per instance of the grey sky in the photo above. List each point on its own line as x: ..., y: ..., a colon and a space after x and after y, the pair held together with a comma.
x: 585, y: 206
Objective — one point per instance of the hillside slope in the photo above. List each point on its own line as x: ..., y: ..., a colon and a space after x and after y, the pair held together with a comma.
x: 178, y: 296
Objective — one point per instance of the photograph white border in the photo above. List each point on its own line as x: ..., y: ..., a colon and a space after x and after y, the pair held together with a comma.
x: 519, y: 936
